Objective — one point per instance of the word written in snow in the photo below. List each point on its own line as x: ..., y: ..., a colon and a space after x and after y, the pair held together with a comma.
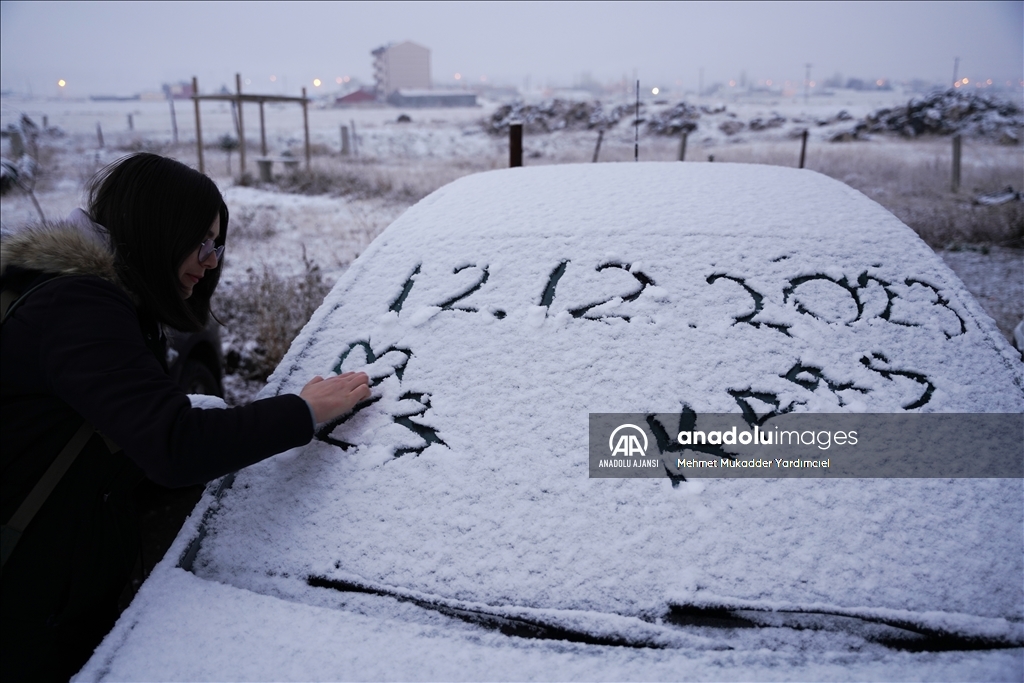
x: 811, y: 378
x: 795, y: 292
x: 399, y: 359
x: 449, y: 303
x: 758, y: 299
x: 804, y: 301
x: 547, y: 295
x: 889, y: 373
x: 807, y: 377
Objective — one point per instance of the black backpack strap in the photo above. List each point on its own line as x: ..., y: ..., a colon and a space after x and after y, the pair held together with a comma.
x: 7, y: 297
x: 10, y: 299
x: 19, y: 521
x: 11, y: 532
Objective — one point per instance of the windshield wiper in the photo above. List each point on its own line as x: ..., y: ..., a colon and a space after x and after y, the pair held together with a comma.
x: 509, y: 625
x: 895, y: 630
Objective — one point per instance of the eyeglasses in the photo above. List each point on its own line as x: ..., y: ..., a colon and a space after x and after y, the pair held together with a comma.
x: 210, y: 247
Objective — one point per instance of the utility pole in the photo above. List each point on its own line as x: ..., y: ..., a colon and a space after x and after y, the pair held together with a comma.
x: 807, y: 83
x: 636, y: 125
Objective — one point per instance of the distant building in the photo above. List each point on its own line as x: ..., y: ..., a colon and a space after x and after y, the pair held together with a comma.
x: 420, y: 99
x: 178, y: 91
x: 357, y: 97
x: 402, y: 65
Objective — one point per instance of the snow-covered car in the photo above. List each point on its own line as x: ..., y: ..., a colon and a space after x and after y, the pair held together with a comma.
x: 452, y: 528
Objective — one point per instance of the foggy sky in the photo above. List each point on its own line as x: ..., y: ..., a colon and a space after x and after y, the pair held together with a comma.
x: 125, y: 48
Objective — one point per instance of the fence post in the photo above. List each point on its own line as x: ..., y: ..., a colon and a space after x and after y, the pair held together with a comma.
x: 345, y: 149
x: 956, y: 162
x: 174, y: 118
x: 682, y: 147
x: 803, y: 148
x: 263, y: 132
x: 305, y: 124
x: 241, y: 127
x: 199, y: 128
x: 515, y: 145
x: 636, y: 125
x: 597, y: 149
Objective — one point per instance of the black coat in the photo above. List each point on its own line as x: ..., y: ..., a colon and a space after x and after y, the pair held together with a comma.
x: 78, y: 348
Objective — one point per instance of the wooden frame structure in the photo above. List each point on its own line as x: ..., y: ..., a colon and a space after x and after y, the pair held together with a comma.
x: 238, y: 98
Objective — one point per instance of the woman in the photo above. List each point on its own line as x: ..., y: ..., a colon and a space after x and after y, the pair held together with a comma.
x: 85, y: 346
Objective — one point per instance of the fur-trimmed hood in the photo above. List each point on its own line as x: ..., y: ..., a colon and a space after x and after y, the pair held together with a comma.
x: 75, y: 246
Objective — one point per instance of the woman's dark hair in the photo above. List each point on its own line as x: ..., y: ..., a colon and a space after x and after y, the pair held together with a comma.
x: 157, y: 212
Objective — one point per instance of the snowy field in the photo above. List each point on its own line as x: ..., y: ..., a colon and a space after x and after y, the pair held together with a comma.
x: 447, y: 311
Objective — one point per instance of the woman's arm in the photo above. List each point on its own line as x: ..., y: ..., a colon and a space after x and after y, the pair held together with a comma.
x: 92, y: 355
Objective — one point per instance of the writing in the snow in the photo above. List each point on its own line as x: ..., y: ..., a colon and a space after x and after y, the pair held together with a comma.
x: 821, y: 298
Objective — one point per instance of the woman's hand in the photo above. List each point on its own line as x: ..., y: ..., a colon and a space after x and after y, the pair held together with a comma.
x: 335, y: 396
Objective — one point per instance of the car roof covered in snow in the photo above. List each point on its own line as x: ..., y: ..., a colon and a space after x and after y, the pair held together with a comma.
x: 493, y: 317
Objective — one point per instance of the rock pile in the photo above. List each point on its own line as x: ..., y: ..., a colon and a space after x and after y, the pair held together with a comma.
x: 556, y: 114
x: 945, y: 113
x: 731, y: 126
x: 775, y: 121
x: 672, y: 121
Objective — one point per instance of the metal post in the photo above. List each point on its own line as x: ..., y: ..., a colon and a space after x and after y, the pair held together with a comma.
x: 99, y: 134
x: 956, y: 162
x: 515, y: 145
x: 241, y: 128
x: 263, y: 133
x: 174, y: 118
x: 199, y: 128
x: 597, y: 149
x: 803, y: 148
x: 682, y: 147
x: 131, y: 123
x: 305, y: 123
x: 636, y: 125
